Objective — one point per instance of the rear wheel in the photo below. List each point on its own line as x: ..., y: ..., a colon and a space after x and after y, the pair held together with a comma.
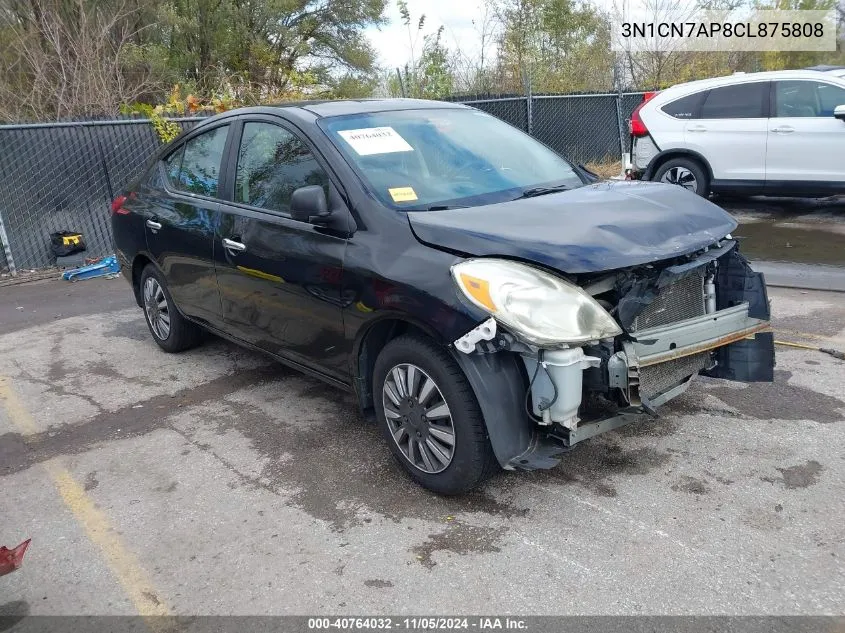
x: 430, y: 417
x: 172, y: 331
x: 686, y: 173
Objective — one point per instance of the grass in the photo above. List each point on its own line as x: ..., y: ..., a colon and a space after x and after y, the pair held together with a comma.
x: 605, y: 168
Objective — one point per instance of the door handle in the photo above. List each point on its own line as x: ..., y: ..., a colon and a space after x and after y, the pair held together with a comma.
x: 697, y: 128
x: 152, y: 224
x: 783, y: 129
x: 231, y: 245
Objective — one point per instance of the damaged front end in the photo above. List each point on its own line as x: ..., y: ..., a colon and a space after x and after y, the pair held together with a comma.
x: 705, y: 313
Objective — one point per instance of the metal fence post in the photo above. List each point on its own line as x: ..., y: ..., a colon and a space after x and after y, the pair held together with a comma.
x: 7, y: 248
x: 529, y: 104
x: 619, y: 126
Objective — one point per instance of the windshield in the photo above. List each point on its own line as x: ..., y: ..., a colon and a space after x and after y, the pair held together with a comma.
x: 442, y: 158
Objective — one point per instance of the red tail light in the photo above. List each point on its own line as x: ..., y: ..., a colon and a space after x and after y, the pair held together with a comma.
x: 117, y: 206
x: 636, y: 125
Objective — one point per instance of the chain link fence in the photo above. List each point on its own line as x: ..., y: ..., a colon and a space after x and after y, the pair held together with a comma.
x: 586, y: 128
x: 63, y: 176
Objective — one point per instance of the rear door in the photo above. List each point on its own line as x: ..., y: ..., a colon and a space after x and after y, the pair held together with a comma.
x: 806, y: 143
x: 731, y: 130
x: 280, y: 280
x: 181, y: 222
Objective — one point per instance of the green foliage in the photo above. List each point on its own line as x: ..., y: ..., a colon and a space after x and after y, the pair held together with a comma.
x: 175, y: 106
x: 559, y: 45
x: 434, y: 73
x: 428, y: 75
x: 69, y: 58
x: 249, y: 50
x: 353, y: 87
x: 779, y: 60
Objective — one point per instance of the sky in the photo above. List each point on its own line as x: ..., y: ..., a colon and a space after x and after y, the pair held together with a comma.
x: 457, y: 16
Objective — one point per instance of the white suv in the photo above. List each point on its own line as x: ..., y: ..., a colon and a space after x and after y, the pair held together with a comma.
x: 774, y: 133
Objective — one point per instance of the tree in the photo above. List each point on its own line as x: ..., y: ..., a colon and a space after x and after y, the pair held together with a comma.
x: 559, y: 45
x: 780, y: 60
x: 474, y: 72
x: 655, y: 69
x: 263, y: 49
x: 429, y: 74
x: 67, y: 58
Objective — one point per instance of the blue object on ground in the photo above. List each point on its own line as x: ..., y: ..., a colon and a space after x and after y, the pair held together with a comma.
x: 104, y: 267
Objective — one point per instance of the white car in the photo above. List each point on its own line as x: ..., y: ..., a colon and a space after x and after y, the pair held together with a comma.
x: 771, y: 133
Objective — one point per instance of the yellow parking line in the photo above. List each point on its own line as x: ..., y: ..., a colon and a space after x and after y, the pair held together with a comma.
x: 806, y: 335
x: 123, y: 563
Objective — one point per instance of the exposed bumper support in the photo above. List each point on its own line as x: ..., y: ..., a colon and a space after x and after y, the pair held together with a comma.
x: 733, y: 342
x: 693, y: 336
x: 653, y: 347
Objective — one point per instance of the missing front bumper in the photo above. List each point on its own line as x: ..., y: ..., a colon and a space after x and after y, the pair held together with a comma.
x: 731, y: 343
x: 662, y: 356
x: 658, y: 364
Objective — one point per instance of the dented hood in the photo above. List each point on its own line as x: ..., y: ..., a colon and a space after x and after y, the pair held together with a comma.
x: 594, y: 228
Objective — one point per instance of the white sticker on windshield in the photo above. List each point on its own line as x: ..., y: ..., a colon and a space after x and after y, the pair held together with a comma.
x: 375, y: 140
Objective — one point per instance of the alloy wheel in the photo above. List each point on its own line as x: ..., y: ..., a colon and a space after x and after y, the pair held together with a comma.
x: 681, y: 176
x: 157, y: 309
x: 419, y: 418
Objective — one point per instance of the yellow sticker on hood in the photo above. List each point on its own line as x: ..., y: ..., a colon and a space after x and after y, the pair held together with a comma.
x: 403, y: 194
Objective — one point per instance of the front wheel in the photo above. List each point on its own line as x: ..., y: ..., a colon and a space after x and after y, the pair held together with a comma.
x: 430, y: 417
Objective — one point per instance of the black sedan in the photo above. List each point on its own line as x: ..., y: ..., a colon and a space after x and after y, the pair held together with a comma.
x: 482, y: 297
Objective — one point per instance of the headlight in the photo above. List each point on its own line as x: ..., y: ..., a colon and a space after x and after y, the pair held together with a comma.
x: 541, y: 308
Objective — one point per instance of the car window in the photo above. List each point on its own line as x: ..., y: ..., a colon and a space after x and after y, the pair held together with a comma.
x: 742, y: 101
x: 272, y: 164
x: 686, y: 107
x: 172, y: 165
x: 807, y: 99
x: 455, y: 157
x: 154, y: 179
x: 201, y: 163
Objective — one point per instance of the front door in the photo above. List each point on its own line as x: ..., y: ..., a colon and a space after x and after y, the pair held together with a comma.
x: 806, y: 142
x: 280, y: 280
x: 181, y: 221
x: 731, y: 131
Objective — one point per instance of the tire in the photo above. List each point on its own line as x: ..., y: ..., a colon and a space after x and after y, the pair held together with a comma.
x: 684, y: 170
x: 181, y: 334
x: 471, y: 460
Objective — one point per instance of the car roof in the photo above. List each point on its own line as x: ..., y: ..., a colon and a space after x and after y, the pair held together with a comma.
x: 738, y: 78
x: 825, y: 68
x: 316, y: 109
x: 339, y: 107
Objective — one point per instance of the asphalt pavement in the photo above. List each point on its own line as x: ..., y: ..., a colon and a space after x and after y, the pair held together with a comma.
x: 219, y: 482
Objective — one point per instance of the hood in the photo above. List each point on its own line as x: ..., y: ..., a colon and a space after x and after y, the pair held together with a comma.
x: 598, y: 227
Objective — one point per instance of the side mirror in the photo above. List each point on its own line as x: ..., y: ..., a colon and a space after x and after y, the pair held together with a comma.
x: 839, y: 113
x: 308, y: 204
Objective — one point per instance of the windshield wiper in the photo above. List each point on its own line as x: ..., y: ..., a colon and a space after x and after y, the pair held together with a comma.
x: 445, y: 207
x: 541, y: 191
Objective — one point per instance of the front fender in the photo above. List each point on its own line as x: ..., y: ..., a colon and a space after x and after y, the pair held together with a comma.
x: 499, y: 387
